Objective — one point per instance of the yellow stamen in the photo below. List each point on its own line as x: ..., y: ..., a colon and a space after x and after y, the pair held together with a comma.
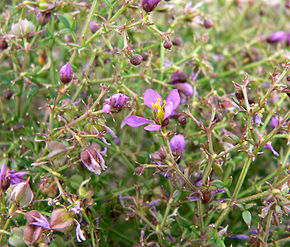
x: 158, y: 110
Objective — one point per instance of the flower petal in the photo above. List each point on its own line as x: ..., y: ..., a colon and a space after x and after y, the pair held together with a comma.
x: 152, y: 127
x: 151, y: 96
x: 168, y: 109
x: 173, y: 97
x: 135, y: 121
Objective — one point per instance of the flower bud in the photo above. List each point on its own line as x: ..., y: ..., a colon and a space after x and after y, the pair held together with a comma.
x: 185, y: 88
x: 239, y: 95
x: 3, y: 44
x: 66, y: 74
x: 177, y: 41
x: 43, y: 18
x: 277, y: 37
x: 94, y: 26
x: 23, y: 28
x: 136, y: 59
x: 149, y: 5
x: 21, y: 193
x: 32, y: 234
x: 179, y: 76
x: 61, y: 220
x: 167, y: 45
x: 160, y: 155
x: 177, y: 145
x: 116, y: 101
x: 208, y: 23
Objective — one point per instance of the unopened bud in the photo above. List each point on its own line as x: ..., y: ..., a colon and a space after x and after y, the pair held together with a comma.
x: 208, y: 23
x: 66, y: 74
x: 277, y: 37
x: 94, y: 26
x: 136, y: 59
x: 149, y: 5
x: 182, y: 119
x: 167, y: 45
x: 43, y: 18
x: 61, y: 220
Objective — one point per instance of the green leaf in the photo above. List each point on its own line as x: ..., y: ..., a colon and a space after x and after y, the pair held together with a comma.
x: 218, y: 184
x: 65, y: 21
x: 108, y: 2
x: 247, y: 217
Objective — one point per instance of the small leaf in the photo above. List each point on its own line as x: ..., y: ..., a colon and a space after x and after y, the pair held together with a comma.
x: 65, y: 21
x: 218, y: 184
x: 247, y: 217
x: 108, y: 2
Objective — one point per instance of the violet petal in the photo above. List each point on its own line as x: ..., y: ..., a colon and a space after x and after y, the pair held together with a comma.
x: 135, y: 121
x: 151, y: 97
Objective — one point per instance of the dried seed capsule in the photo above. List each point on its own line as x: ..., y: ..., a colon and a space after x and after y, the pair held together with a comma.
x: 136, y: 59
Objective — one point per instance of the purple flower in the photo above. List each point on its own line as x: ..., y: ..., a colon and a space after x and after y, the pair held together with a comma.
x: 277, y: 37
x: 66, y: 73
x: 268, y: 145
x: 93, y: 160
x: 161, y: 109
x: 10, y: 177
x: 257, y: 119
x: 94, y: 26
x: 177, y: 144
x: 149, y: 5
x: 116, y: 101
x: 275, y: 121
x: 79, y: 233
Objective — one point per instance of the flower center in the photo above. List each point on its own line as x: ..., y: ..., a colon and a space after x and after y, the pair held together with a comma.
x: 158, y: 110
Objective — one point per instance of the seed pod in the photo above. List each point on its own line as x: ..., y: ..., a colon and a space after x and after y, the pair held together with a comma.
x: 21, y: 193
x: 167, y: 45
x: 32, y: 234
x: 61, y: 220
x: 136, y: 59
x: 149, y: 5
x: 66, y: 74
x: 23, y: 28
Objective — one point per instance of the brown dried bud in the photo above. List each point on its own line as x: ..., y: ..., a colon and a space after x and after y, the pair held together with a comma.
x: 208, y: 23
x: 182, y: 119
x: 239, y: 95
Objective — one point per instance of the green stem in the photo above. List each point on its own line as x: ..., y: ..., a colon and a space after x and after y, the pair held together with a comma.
x: 268, y: 225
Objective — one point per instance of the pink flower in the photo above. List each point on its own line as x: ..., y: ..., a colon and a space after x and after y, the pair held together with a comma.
x: 161, y: 109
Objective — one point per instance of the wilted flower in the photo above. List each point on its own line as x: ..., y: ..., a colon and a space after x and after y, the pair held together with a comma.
x: 79, y: 233
x: 10, y: 177
x: 93, y: 160
x: 177, y: 145
x: 21, y: 193
x: 23, y: 28
x: 37, y: 219
x: 94, y: 26
x: 277, y: 37
x: 161, y: 110
x: 149, y: 5
x: 116, y: 101
x: 66, y: 73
